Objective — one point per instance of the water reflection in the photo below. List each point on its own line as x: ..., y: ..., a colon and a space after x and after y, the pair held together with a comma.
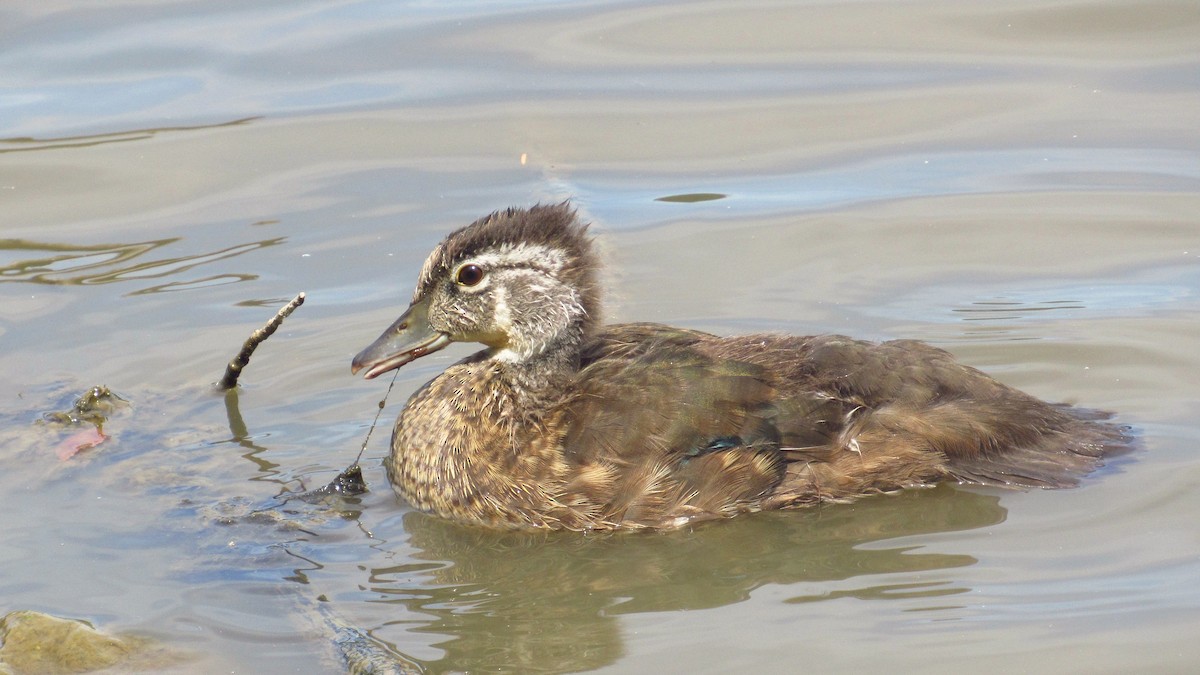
x: 75, y: 264
x: 550, y: 602
x: 28, y: 144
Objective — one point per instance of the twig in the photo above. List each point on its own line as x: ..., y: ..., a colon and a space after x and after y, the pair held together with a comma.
x: 374, y: 422
x: 234, y: 369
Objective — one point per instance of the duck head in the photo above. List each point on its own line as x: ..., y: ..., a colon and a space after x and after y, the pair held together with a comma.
x: 522, y: 282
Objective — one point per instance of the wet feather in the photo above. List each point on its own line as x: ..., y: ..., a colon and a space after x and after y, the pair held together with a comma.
x: 563, y: 423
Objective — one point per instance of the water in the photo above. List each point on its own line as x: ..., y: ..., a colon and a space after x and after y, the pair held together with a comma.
x: 1017, y: 183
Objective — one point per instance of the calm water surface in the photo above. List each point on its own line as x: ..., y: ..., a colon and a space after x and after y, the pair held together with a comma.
x: 1016, y: 182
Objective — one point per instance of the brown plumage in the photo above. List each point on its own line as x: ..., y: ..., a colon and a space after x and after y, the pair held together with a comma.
x: 564, y: 423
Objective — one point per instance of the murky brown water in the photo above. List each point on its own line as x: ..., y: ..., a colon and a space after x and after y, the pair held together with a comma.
x: 1017, y: 182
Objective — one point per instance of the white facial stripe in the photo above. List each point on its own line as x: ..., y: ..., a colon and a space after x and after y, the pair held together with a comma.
x: 537, y: 256
x: 503, y: 311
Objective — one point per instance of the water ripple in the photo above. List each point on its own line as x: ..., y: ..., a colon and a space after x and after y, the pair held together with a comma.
x: 82, y: 265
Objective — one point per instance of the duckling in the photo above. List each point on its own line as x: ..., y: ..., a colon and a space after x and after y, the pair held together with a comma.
x: 561, y: 422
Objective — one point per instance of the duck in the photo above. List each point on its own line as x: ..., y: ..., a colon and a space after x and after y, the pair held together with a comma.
x: 562, y: 422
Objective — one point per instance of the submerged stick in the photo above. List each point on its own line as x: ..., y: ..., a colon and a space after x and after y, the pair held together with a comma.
x: 350, y: 481
x: 234, y: 369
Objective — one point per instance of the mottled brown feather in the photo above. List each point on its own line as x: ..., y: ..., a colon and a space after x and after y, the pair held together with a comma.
x: 647, y: 426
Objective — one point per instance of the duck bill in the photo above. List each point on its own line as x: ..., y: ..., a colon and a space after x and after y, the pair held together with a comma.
x: 408, y: 339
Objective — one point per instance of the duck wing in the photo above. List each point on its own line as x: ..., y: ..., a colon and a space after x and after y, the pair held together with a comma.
x: 666, y: 421
x: 911, y: 414
x: 656, y: 430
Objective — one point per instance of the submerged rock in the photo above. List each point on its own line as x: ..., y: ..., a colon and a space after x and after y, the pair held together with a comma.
x: 35, y: 643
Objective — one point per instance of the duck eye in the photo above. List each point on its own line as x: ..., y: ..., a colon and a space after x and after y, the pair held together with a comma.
x: 469, y: 275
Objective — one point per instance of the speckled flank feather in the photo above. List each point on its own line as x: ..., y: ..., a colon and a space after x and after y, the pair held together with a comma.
x: 564, y: 424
